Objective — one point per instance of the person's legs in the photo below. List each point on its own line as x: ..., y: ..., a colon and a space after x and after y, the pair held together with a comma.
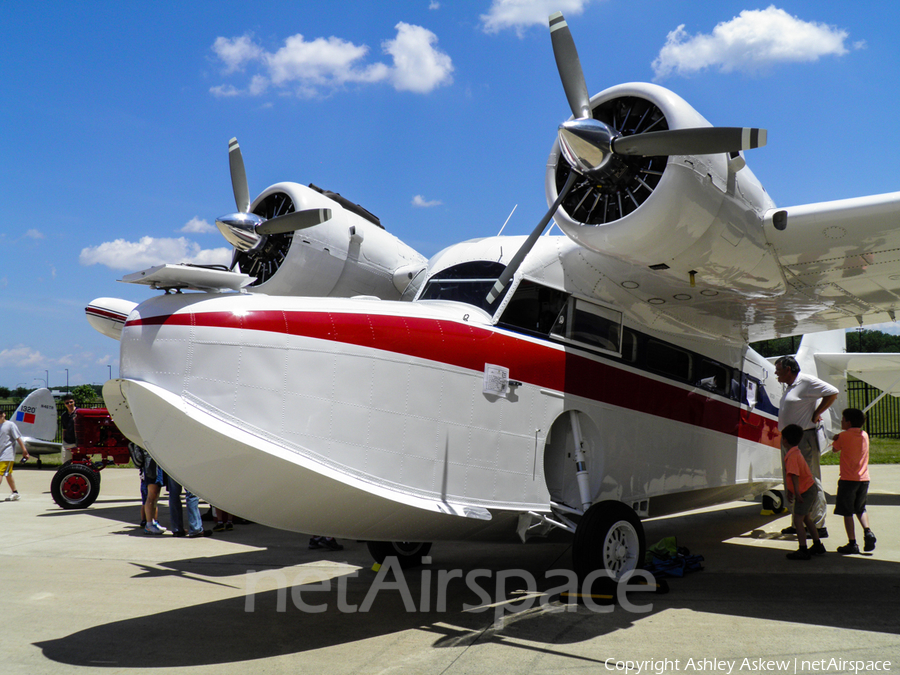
x: 176, y: 516
x: 6, y: 470
x: 850, y: 528
x: 809, y: 448
x: 192, y: 501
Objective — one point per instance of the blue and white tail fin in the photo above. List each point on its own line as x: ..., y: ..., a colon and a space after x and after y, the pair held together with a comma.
x: 36, y: 419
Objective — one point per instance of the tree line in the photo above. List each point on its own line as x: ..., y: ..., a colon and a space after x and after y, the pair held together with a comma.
x: 83, y: 393
x: 858, y: 341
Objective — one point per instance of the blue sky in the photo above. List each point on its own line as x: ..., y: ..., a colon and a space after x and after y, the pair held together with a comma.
x: 436, y: 116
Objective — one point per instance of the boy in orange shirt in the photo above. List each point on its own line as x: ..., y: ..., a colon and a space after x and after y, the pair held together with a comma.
x: 853, y: 486
x: 800, y: 486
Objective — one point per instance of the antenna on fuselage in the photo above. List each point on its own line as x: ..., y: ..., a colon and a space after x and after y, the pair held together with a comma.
x: 507, y: 219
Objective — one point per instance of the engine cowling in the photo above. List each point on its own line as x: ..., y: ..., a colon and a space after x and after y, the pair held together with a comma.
x: 688, y: 216
x: 349, y: 254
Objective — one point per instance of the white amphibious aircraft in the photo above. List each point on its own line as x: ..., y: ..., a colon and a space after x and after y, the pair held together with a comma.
x: 576, y: 382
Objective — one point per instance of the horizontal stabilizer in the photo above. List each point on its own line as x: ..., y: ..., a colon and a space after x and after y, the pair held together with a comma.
x: 881, y: 371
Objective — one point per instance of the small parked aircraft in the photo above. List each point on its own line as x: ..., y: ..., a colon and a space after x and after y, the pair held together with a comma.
x: 577, y: 383
x: 36, y: 418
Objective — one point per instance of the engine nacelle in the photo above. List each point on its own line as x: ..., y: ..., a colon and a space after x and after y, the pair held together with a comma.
x: 679, y: 215
x: 349, y: 254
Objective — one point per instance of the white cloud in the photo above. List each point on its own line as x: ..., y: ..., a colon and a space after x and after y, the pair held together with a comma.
x: 434, y: 5
x: 197, y: 225
x: 235, y: 53
x: 316, y: 67
x: 420, y: 201
x: 752, y: 41
x: 522, y: 14
x: 22, y: 356
x: 149, y: 251
x: 34, y: 234
x: 418, y: 66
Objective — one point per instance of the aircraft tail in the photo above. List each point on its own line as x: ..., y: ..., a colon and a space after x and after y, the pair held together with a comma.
x: 812, y: 357
x: 36, y: 419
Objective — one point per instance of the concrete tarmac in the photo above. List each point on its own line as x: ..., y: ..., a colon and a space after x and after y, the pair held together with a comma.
x: 89, y: 591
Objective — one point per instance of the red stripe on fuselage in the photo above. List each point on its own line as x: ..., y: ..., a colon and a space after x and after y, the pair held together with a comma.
x: 471, y: 347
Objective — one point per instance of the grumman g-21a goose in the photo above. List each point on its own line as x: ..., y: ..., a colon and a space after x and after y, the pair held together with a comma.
x: 578, y: 382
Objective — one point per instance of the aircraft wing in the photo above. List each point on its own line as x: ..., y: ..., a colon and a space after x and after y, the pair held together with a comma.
x: 842, y: 255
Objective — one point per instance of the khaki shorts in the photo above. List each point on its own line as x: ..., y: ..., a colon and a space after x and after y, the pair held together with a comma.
x: 809, y: 501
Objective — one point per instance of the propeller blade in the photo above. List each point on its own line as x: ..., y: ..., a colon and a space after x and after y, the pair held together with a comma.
x: 510, y: 271
x: 700, y: 141
x: 291, y: 222
x: 238, y: 177
x: 569, y: 66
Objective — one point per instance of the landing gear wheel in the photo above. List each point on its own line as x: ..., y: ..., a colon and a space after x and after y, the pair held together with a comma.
x: 75, y: 486
x: 609, y: 537
x: 409, y: 553
x: 773, y: 501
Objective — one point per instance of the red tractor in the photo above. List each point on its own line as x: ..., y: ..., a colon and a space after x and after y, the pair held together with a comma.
x: 76, y: 483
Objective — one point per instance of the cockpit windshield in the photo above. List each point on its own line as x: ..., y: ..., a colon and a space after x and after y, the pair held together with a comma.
x: 468, y: 282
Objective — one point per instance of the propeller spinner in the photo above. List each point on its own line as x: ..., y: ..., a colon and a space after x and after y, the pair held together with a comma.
x: 248, y: 231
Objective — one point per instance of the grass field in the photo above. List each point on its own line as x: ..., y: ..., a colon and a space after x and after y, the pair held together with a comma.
x: 881, y: 451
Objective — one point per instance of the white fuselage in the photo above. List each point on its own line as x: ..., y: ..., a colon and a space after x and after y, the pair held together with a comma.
x: 369, y: 419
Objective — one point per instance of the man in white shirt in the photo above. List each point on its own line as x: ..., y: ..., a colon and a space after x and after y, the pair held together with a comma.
x: 803, y: 403
x: 9, y: 436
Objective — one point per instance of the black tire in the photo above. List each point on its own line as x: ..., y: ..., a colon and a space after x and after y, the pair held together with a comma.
x: 773, y: 501
x: 75, y: 486
x: 409, y: 553
x: 609, y: 537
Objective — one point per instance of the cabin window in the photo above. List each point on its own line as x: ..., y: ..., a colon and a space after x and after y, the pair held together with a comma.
x: 668, y: 360
x: 716, y: 378
x: 468, y: 282
x: 629, y: 345
x: 589, y: 324
x: 534, y: 308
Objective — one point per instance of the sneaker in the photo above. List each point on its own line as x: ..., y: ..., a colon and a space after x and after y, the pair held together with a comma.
x: 799, y: 554
x: 332, y: 544
x: 823, y: 532
x: 179, y: 533
x: 153, y: 528
x: 14, y: 497
x: 848, y: 549
x: 161, y: 527
x: 316, y: 542
x: 817, y: 549
x: 229, y: 526
x: 201, y: 533
x: 219, y: 527
x: 869, y: 541
x: 789, y: 530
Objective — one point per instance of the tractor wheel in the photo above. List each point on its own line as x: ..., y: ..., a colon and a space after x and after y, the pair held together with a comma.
x: 75, y: 486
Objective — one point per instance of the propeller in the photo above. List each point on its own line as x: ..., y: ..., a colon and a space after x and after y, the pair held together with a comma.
x: 247, y: 231
x: 588, y: 144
